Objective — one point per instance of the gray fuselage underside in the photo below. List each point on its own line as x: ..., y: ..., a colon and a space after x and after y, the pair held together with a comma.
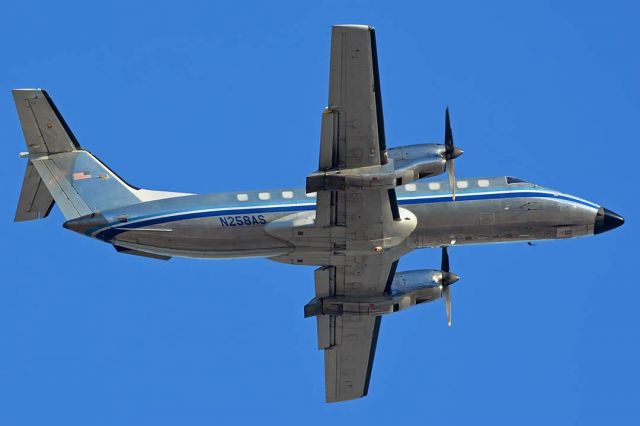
x: 228, y: 225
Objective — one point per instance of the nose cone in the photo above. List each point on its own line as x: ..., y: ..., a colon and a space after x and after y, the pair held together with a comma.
x: 606, y: 220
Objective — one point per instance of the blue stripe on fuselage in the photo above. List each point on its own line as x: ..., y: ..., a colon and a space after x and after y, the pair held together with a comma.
x: 494, y: 196
x: 110, y: 231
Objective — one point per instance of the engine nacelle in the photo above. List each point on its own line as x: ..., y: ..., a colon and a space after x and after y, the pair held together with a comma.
x: 407, y: 164
x: 416, y: 287
x: 415, y: 162
x: 408, y: 289
x: 426, y: 282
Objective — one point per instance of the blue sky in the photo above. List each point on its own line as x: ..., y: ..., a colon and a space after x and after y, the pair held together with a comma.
x: 205, y: 97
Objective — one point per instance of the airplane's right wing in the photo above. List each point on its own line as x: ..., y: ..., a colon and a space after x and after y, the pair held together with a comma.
x: 352, y: 133
x: 353, y: 124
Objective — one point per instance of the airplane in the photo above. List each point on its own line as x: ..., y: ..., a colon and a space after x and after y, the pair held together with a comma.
x: 363, y: 209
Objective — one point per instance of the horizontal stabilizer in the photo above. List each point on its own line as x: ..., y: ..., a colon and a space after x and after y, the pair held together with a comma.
x: 35, y: 201
x: 45, y: 131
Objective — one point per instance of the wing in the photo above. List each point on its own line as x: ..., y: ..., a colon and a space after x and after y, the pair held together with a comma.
x: 352, y: 125
x: 356, y: 218
x: 352, y: 134
x: 348, y: 363
x: 349, y: 342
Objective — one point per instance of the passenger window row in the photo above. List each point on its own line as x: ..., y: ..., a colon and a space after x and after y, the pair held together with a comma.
x: 287, y: 195
x: 410, y: 187
x: 435, y: 186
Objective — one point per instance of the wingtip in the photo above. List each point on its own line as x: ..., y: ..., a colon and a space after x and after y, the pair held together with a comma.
x: 27, y: 93
x: 353, y: 27
x: 28, y: 89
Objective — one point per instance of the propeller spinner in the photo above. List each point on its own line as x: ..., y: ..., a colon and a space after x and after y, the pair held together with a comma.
x: 451, y: 152
x: 448, y: 278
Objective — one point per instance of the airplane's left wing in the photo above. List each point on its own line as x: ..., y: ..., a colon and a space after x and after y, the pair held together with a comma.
x: 349, y: 358
x: 349, y: 341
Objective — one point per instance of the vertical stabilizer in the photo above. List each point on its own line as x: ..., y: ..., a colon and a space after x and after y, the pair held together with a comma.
x: 59, y: 169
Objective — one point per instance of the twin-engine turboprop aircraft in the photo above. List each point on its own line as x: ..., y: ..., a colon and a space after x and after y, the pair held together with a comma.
x: 361, y: 211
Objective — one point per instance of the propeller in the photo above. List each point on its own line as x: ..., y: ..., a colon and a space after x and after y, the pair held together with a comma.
x: 450, y: 153
x: 448, y: 278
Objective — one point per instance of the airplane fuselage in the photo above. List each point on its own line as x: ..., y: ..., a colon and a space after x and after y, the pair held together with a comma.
x: 228, y: 225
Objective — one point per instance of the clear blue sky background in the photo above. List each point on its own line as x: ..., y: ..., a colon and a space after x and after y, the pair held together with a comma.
x: 199, y: 97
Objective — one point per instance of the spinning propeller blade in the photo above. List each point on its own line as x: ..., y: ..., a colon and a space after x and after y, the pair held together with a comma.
x: 450, y: 152
x: 448, y: 278
x: 444, y: 265
x: 447, y: 303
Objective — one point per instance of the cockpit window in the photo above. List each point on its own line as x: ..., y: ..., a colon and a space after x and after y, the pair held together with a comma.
x: 511, y: 180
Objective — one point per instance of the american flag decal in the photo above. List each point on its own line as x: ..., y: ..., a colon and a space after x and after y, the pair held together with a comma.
x: 81, y: 175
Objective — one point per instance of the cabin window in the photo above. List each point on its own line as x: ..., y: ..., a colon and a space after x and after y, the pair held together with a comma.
x: 287, y: 194
x: 312, y: 195
x: 434, y: 186
x: 462, y: 184
x: 264, y: 195
x: 410, y: 187
x: 483, y: 183
x: 242, y: 197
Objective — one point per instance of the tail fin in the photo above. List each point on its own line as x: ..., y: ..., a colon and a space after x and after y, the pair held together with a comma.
x: 59, y: 169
